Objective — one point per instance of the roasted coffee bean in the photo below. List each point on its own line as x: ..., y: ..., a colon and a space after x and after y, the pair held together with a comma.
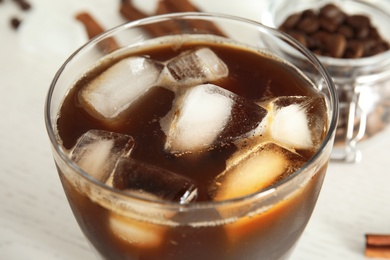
x: 291, y: 21
x: 369, y: 44
x: 378, y: 48
x: 346, y: 31
x: 333, y: 13
x: 358, y: 21
x: 308, y: 25
x: 321, y: 36
x: 300, y: 37
x: 374, y: 34
x: 354, y: 49
x: 314, y: 42
x: 15, y: 22
x: 362, y: 32
x: 336, y: 44
x: 309, y: 13
x: 328, y: 24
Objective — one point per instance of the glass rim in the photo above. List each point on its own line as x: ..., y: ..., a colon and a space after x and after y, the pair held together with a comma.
x: 202, y: 204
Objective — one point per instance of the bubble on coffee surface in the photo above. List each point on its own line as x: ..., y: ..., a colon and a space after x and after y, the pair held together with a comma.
x: 206, y: 116
x: 97, y: 152
x: 250, y: 172
x: 196, y: 67
x: 143, y: 179
x: 115, y: 89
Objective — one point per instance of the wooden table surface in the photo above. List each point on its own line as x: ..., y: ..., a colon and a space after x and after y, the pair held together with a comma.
x: 35, y: 219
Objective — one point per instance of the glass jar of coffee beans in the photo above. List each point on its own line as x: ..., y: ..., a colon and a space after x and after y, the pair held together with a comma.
x: 351, y: 39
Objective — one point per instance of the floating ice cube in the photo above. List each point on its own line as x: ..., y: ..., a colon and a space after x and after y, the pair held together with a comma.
x: 299, y: 121
x: 97, y: 152
x: 135, y: 176
x: 137, y: 233
x: 251, y: 172
x: 197, y: 67
x: 197, y: 118
x: 208, y: 115
x: 115, y: 89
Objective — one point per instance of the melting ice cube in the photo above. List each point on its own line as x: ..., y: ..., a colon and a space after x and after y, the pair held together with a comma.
x: 254, y: 171
x: 97, y: 152
x: 197, y: 67
x: 207, y: 115
x: 137, y: 233
x: 132, y: 175
x: 115, y: 89
x: 197, y: 119
x: 299, y: 121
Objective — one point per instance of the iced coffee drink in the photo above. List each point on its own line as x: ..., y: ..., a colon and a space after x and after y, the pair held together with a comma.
x: 192, y: 145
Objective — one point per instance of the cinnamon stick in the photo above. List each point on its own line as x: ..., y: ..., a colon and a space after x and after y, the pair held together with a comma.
x: 93, y: 29
x: 131, y: 13
x: 187, y: 6
x: 377, y: 246
x: 183, y: 6
x: 164, y: 7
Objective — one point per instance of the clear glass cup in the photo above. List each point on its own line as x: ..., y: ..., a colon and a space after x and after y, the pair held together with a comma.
x: 363, y: 84
x: 263, y: 225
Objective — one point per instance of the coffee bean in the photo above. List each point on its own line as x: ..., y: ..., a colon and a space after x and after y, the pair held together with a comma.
x: 332, y: 12
x: 346, y: 31
x: 308, y: 25
x: 362, y: 32
x: 328, y: 24
x: 374, y: 34
x: 378, y: 48
x: 309, y: 13
x: 15, y: 22
x: 291, y: 21
x: 358, y: 21
x: 300, y: 37
x: 313, y: 42
x: 354, y: 49
x: 336, y: 45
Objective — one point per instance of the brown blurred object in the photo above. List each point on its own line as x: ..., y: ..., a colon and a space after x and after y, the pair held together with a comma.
x: 377, y: 246
x: 131, y: 13
x: 93, y: 29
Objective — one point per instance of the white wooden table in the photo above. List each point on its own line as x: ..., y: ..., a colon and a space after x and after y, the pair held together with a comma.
x: 35, y: 219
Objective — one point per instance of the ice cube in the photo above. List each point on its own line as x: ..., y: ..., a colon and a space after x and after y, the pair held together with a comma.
x: 115, y: 89
x: 299, y: 121
x: 139, y: 177
x: 207, y: 115
x: 197, y: 118
x: 137, y: 233
x: 197, y: 67
x: 253, y: 171
x: 97, y: 152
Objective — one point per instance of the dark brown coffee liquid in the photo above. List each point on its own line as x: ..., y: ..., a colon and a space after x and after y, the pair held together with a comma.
x: 269, y: 235
x: 253, y: 76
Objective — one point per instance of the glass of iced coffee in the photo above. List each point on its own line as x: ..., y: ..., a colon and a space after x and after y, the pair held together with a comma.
x: 200, y: 136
